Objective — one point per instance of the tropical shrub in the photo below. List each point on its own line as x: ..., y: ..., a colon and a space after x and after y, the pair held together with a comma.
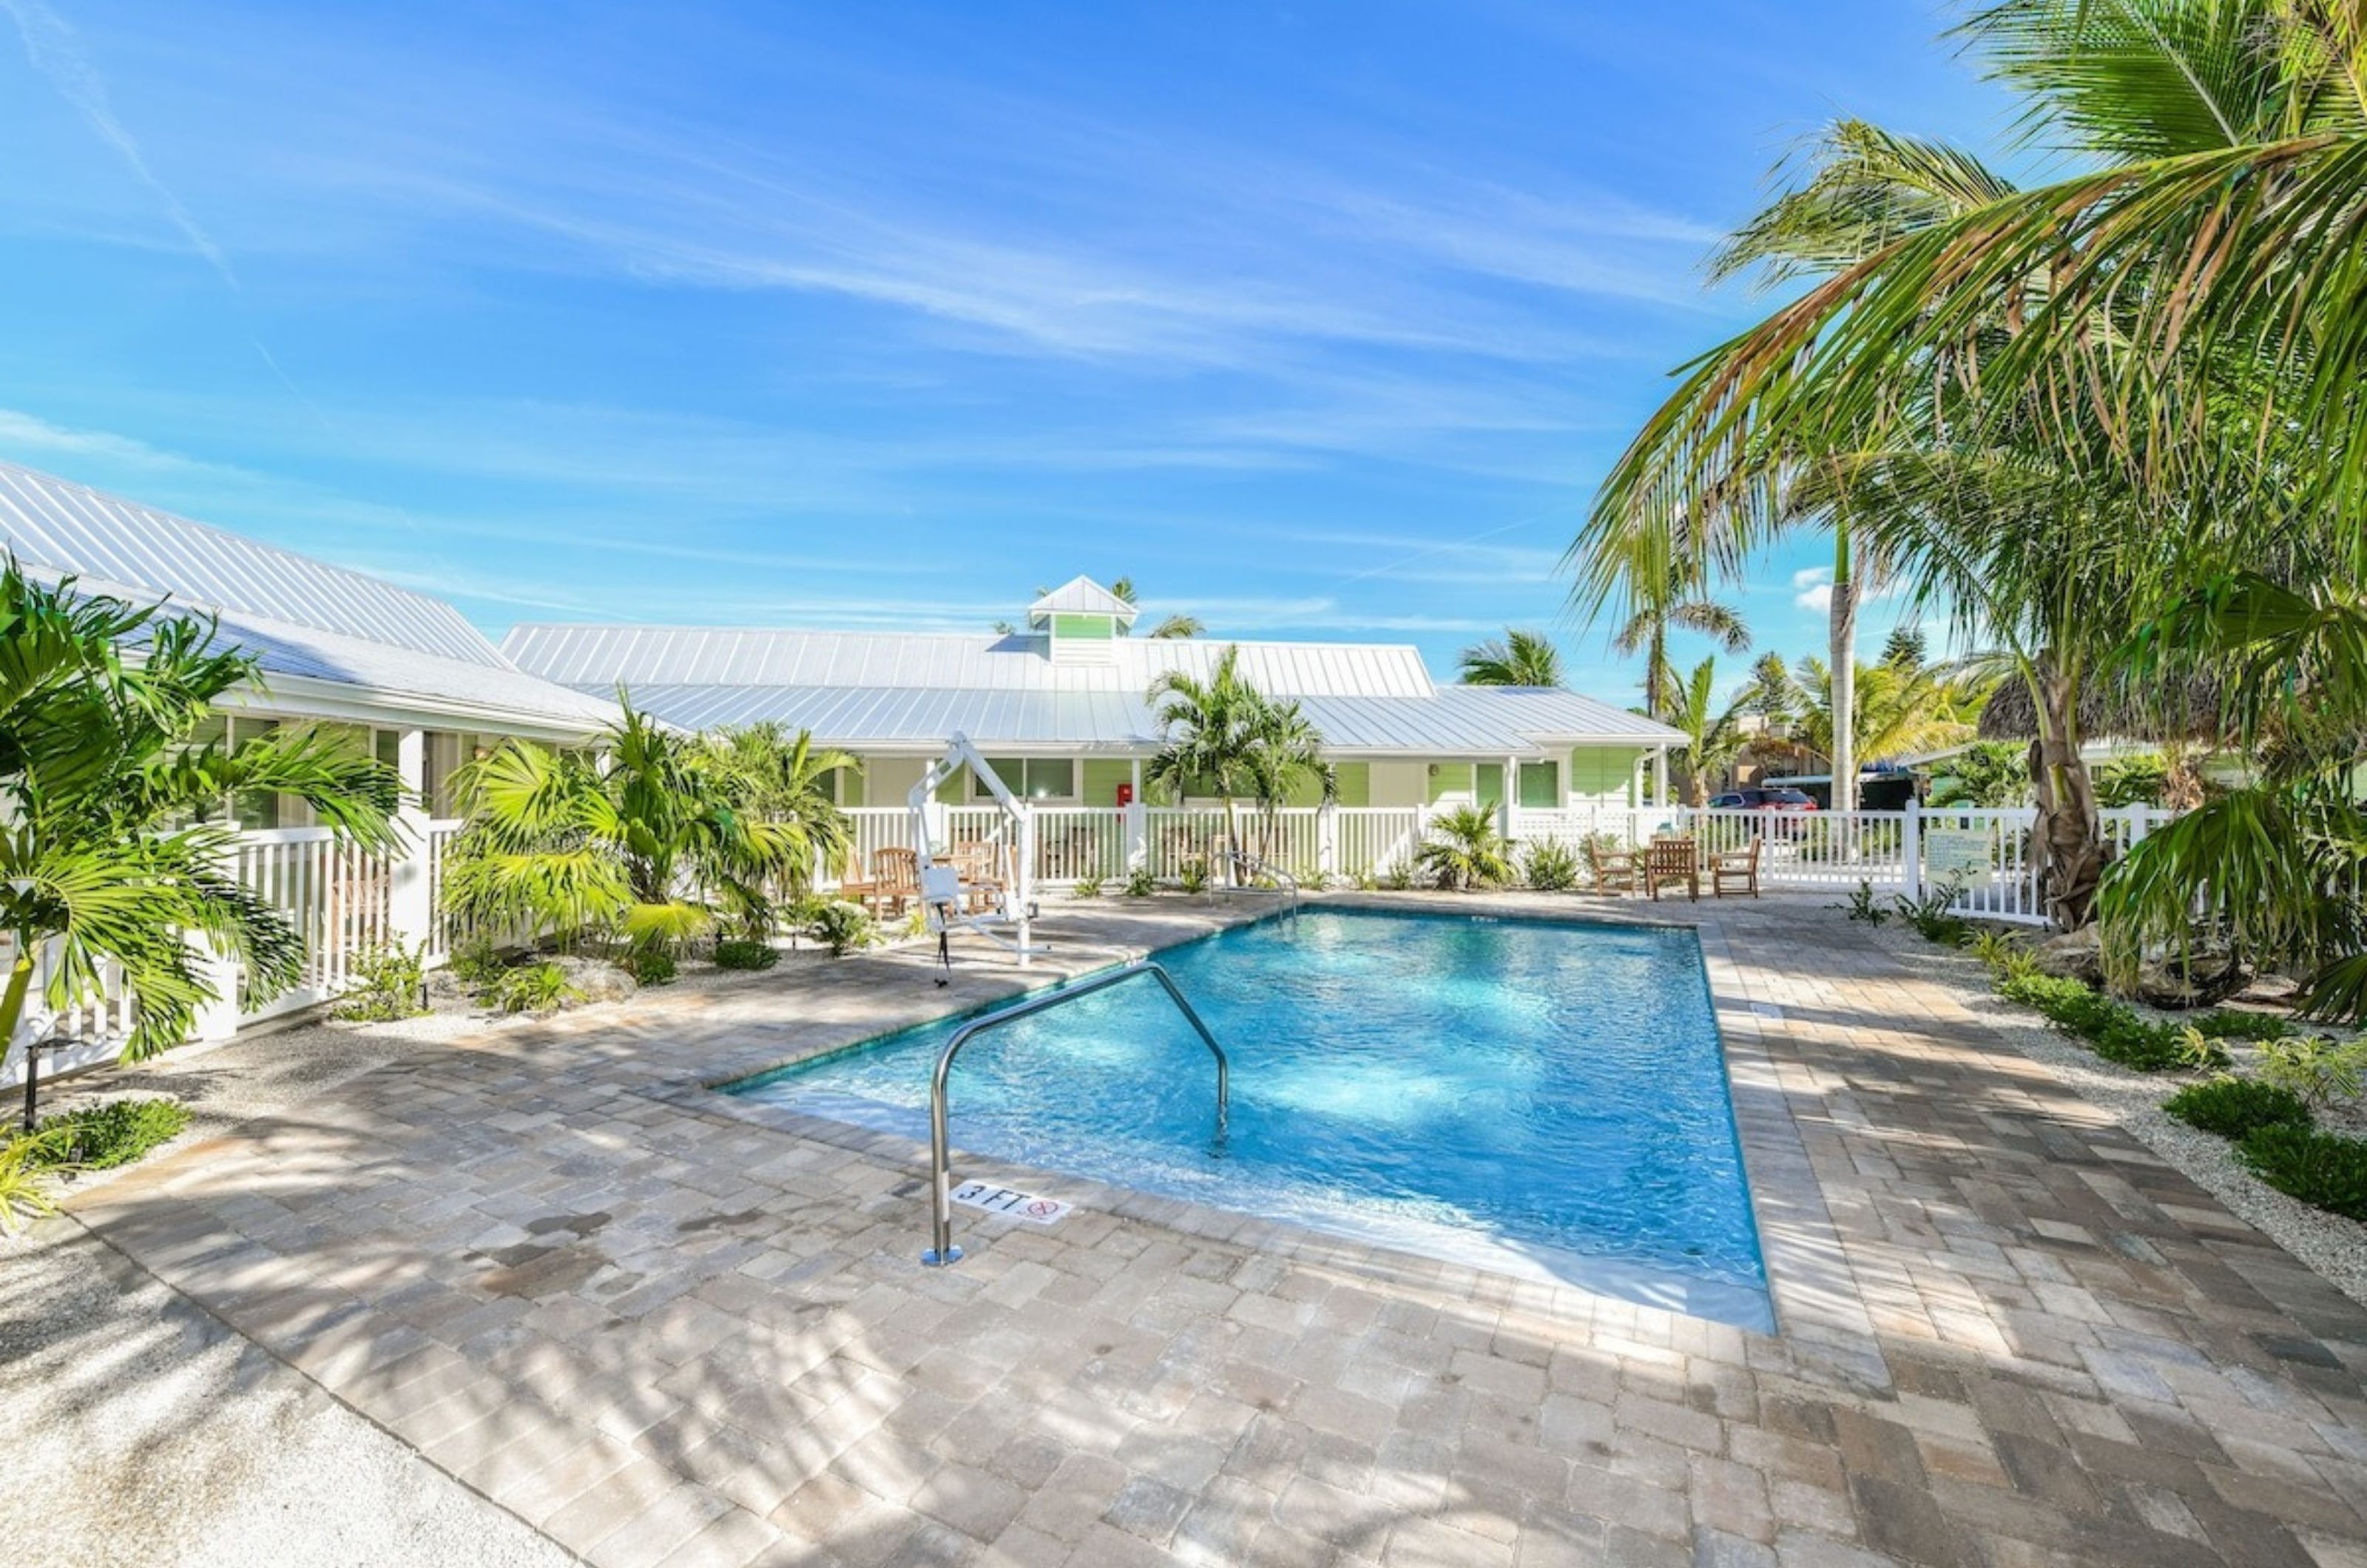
x: 1466, y: 851
x: 2001, y: 954
x: 1194, y: 878
x: 1140, y: 883
x: 389, y: 982
x: 2112, y: 1030
x: 25, y: 1180
x: 2140, y: 780
x: 1930, y: 918
x: 476, y: 963
x: 100, y: 1138
x: 1398, y: 878
x: 1086, y: 887
x: 646, y: 848
x: 651, y: 966
x: 2237, y: 1108
x: 530, y: 988
x: 1862, y: 905
x: 2229, y: 1023
x: 843, y: 927
x: 2319, y: 1070
x: 108, y: 857
x: 1550, y: 867
x: 742, y: 952
x: 2325, y: 1170
x: 1990, y: 774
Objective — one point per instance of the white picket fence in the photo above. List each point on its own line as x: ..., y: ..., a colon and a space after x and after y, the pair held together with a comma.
x: 1985, y: 854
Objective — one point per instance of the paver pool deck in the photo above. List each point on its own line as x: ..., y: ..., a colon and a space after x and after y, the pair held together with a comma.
x: 658, y: 1331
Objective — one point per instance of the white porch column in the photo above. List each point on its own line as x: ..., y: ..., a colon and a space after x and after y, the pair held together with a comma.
x: 1660, y: 776
x: 410, y: 912
x: 1911, y: 848
x: 1327, y: 840
x: 1137, y: 822
x: 1504, y: 807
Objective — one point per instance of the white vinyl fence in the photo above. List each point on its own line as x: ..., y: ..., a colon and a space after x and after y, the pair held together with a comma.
x: 346, y: 902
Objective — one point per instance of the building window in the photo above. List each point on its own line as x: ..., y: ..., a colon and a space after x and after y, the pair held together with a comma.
x: 1540, y: 786
x: 1030, y: 778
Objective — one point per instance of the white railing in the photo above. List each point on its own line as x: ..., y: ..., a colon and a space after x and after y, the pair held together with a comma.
x: 335, y: 893
x: 1078, y: 843
x: 442, y: 929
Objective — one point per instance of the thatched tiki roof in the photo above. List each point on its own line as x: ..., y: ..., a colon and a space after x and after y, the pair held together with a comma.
x: 2155, y: 711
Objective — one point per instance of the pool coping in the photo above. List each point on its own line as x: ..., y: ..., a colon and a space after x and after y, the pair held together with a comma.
x: 1817, y: 1305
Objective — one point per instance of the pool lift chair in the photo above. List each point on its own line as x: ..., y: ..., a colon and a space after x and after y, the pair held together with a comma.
x: 986, y: 908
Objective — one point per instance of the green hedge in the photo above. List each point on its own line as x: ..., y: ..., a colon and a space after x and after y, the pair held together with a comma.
x: 100, y: 1138
x: 2237, y: 1108
x: 2112, y: 1030
x: 2323, y: 1169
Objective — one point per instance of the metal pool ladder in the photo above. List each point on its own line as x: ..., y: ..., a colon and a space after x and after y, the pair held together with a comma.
x: 1286, y: 888
x: 941, y: 1178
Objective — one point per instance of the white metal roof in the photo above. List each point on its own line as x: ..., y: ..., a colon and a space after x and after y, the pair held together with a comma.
x: 298, y: 617
x: 650, y: 656
x: 1082, y: 596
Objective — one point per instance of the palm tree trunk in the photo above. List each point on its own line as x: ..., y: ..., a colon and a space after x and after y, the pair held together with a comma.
x: 2067, y: 846
x: 1844, y: 662
x: 12, y: 1011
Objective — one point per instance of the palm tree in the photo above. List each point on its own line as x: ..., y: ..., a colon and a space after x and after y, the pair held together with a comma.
x: 1521, y: 659
x: 767, y: 775
x: 1208, y: 730
x: 1899, y: 713
x: 1713, y: 736
x: 642, y: 845
x: 1169, y: 629
x: 1283, y: 759
x: 100, y: 785
x: 1466, y: 851
x: 1668, y: 597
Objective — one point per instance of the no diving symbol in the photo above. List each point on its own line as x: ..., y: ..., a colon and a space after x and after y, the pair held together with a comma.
x: 1009, y: 1204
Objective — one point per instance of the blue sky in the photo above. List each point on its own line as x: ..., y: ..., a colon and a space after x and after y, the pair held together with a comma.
x: 1320, y: 320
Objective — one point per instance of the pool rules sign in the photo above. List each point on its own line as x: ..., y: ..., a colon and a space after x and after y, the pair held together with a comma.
x: 1009, y: 1204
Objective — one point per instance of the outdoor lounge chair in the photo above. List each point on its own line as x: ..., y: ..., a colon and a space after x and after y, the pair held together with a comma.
x: 895, y: 881
x: 1673, y: 861
x: 1614, y: 870
x: 1738, y: 869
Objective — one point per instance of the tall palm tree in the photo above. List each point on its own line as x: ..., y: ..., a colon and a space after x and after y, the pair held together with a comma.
x: 1284, y: 758
x: 1714, y: 734
x: 1663, y: 595
x: 1520, y: 659
x: 99, y: 783
x: 1208, y: 730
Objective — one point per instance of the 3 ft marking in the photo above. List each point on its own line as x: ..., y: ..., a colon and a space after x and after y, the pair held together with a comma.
x: 1011, y: 1205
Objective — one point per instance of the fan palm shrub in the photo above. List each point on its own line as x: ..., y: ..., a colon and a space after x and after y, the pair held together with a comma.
x: 104, y: 858
x: 1466, y: 851
x: 766, y: 774
x: 645, y: 847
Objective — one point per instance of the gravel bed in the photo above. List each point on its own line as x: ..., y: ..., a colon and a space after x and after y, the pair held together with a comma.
x: 2333, y: 1246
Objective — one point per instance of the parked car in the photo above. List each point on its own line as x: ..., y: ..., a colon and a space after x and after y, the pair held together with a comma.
x: 1767, y: 799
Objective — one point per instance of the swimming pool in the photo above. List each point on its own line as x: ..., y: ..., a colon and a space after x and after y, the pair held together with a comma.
x: 1543, y: 1098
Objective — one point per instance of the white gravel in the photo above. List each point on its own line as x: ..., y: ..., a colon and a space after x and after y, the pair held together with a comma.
x: 2333, y: 1246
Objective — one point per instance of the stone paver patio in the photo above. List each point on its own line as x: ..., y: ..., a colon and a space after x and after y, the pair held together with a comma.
x: 659, y: 1331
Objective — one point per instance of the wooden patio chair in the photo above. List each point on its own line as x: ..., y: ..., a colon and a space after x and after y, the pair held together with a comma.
x: 977, y: 862
x: 1673, y: 861
x: 1735, y: 868
x: 895, y: 882
x: 1614, y: 870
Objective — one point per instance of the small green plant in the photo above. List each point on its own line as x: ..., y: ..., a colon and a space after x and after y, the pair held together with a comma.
x: 843, y: 927
x: 1140, y: 883
x: 2323, y: 1169
x: 745, y: 953
x: 476, y: 963
x: 531, y: 988
x: 100, y: 1138
x: 2229, y: 1023
x: 1194, y: 876
x: 2237, y: 1108
x: 2112, y: 1030
x: 1466, y: 851
x: 28, y: 1174
x: 916, y: 922
x: 1862, y: 905
x: 1550, y: 867
x: 1398, y: 878
x: 389, y: 982
x: 651, y: 966
x: 1086, y: 887
x: 1930, y: 915
x: 2001, y: 954
x: 2317, y: 1069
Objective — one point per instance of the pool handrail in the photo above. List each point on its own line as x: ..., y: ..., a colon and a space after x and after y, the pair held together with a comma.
x: 1286, y: 894
x: 941, y: 1214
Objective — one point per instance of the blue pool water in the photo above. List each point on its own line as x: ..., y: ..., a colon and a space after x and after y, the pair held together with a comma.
x: 1548, y: 1099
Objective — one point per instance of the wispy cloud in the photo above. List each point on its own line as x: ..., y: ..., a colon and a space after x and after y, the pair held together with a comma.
x: 58, y: 54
